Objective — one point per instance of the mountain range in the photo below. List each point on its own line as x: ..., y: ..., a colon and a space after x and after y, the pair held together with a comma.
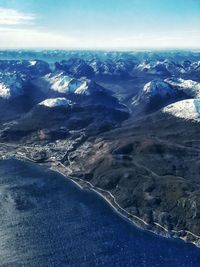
x: 124, y: 123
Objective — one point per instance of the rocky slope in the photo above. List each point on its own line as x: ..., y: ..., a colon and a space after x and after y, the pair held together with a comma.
x: 150, y: 170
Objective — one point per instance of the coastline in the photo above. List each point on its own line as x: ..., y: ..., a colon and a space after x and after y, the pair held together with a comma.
x: 135, y: 220
x: 138, y: 222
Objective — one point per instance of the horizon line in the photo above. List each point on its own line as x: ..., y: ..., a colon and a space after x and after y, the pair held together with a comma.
x: 100, y: 49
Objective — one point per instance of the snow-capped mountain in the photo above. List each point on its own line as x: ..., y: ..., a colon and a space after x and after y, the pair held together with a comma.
x: 76, y: 67
x: 188, y: 109
x: 157, y: 88
x: 125, y: 67
x: 92, y: 64
x: 96, y: 67
x: 153, y: 96
x: 64, y: 84
x: 165, y: 67
x: 12, y: 85
x: 37, y: 96
x: 189, y: 87
x: 32, y: 68
x: 195, y: 66
x: 159, y: 93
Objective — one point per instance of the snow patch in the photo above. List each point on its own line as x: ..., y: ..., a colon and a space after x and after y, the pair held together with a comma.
x: 11, y: 85
x: 4, y: 91
x: 56, y: 102
x: 191, y: 88
x: 83, y: 89
x: 32, y: 62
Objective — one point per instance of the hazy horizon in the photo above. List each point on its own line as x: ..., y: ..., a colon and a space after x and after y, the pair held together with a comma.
x: 76, y: 49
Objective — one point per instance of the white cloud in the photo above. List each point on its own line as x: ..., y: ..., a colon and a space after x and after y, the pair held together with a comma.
x: 15, y: 32
x: 30, y: 38
x: 14, y: 17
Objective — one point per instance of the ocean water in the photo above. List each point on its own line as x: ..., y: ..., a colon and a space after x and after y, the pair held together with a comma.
x: 46, y: 220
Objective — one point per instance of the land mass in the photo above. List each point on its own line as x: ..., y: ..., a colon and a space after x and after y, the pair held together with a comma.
x: 125, y: 125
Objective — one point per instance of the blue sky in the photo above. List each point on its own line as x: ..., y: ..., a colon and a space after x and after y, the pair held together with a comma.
x: 100, y: 24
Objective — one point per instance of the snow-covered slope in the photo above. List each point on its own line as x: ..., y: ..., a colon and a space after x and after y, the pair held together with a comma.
x: 11, y: 85
x: 188, y: 109
x: 56, y: 102
x: 166, y: 91
x: 61, y: 83
x: 195, y: 66
x: 189, y: 87
x: 155, y: 88
x: 165, y: 67
x: 158, y: 87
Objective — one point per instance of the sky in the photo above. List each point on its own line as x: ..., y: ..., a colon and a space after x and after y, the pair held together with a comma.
x: 100, y: 24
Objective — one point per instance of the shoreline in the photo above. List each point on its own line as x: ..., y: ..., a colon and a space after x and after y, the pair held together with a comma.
x: 138, y: 222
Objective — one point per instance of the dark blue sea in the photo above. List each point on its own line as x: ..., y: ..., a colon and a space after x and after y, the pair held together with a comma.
x: 46, y: 220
